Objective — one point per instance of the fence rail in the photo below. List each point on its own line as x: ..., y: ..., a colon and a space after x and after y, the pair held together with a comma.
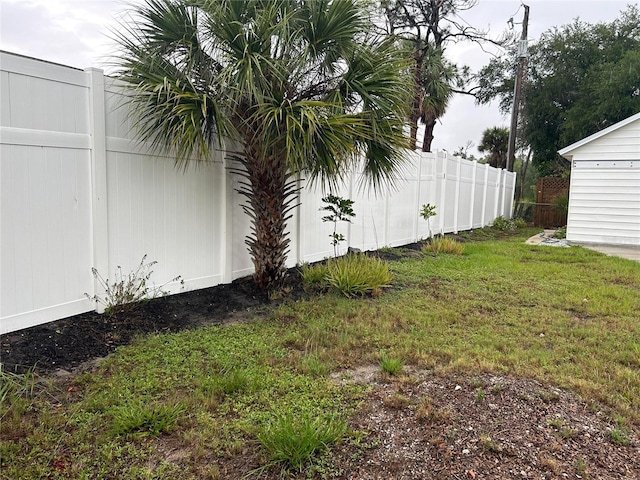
x: 78, y: 191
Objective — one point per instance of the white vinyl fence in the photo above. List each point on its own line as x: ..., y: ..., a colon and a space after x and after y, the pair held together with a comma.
x: 77, y: 191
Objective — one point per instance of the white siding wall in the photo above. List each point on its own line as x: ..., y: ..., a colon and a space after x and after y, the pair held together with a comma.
x: 604, y: 198
x: 77, y: 191
x: 604, y: 202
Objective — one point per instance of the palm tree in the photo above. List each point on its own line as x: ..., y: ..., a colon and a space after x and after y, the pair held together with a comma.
x: 438, y: 78
x: 302, y: 86
x: 495, y: 140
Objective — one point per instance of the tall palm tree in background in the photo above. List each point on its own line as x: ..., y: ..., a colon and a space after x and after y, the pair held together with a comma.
x: 495, y: 141
x: 438, y: 79
x: 302, y: 86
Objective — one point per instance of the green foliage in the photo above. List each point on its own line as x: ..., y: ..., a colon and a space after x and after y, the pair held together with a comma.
x: 391, y: 365
x: 142, y: 419
x: 504, y: 224
x: 427, y: 212
x: 353, y: 275
x: 560, y: 233
x: 292, y: 440
x: 495, y: 141
x: 581, y: 79
x: 562, y: 203
x: 265, y: 75
x: 340, y: 210
x: 314, y: 275
x: 442, y: 244
x: 125, y: 291
x: 350, y: 275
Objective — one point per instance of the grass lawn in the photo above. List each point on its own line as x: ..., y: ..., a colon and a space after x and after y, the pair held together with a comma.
x: 248, y: 392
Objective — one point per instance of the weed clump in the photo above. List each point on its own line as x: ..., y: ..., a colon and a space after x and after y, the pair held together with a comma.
x: 291, y: 442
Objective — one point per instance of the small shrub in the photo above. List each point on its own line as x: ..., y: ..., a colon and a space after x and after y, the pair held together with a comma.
x: 358, y: 274
x: 440, y: 245
x: 340, y: 210
x: 427, y: 212
x: 127, y: 290
x: 560, y: 233
x: 391, y: 366
x: 504, y: 224
x: 145, y: 419
x: 291, y: 441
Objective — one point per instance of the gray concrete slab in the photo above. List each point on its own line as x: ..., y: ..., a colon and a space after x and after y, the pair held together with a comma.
x: 629, y: 252
x: 623, y: 251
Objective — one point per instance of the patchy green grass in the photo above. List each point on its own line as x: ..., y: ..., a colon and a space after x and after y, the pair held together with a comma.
x: 564, y: 316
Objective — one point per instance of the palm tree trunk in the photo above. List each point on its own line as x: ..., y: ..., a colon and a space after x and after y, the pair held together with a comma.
x: 429, y: 125
x: 269, y: 191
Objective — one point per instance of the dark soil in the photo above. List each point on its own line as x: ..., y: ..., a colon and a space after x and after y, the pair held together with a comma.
x: 67, y: 343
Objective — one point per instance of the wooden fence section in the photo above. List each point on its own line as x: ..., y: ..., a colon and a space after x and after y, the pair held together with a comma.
x: 77, y: 191
x: 547, y: 213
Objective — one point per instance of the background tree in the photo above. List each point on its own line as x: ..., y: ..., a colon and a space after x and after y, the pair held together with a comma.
x: 437, y: 79
x: 581, y: 79
x: 302, y: 86
x: 495, y: 141
x: 426, y: 27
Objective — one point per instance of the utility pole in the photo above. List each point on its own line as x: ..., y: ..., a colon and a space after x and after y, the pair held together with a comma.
x: 517, y: 91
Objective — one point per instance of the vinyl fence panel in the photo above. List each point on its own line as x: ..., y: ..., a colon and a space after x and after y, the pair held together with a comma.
x: 78, y: 191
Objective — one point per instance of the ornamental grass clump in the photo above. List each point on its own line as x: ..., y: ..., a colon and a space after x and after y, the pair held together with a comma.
x: 439, y: 245
x: 351, y: 275
x: 354, y: 275
x: 291, y: 441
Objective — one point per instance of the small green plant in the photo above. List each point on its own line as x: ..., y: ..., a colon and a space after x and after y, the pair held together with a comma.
x: 562, y: 203
x: 17, y: 394
x: 291, y: 441
x: 427, y: 212
x: 391, y: 365
x: 314, y: 366
x: 340, y: 210
x: 619, y: 436
x: 440, y: 245
x: 560, y: 233
x: 480, y: 395
x: 314, y: 275
x: 581, y: 467
x: 142, y: 419
x: 489, y: 445
x: 504, y: 224
x: 125, y: 291
x: 353, y: 275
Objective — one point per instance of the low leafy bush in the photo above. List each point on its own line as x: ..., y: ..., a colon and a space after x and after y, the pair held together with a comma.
x: 504, y: 224
x: 444, y: 245
x: 560, y: 233
x: 291, y: 441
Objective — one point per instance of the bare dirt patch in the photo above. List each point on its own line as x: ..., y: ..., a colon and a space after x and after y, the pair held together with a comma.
x: 422, y: 426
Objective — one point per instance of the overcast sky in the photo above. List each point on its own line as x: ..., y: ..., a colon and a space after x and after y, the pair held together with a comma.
x: 76, y: 33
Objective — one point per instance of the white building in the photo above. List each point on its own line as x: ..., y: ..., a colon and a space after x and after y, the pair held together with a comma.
x: 604, y: 193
